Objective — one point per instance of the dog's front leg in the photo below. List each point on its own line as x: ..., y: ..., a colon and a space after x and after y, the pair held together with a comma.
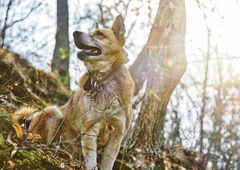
x: 110, y: 153
x: 89, y: 149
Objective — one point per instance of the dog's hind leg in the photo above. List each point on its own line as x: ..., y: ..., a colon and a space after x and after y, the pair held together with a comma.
x: 45, y: 123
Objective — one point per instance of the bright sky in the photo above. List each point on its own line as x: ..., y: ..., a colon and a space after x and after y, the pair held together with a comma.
x: 230, y: 29
x: 225, y: 26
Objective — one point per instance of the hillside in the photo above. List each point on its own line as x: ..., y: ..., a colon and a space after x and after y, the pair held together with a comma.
x: 23, y: 85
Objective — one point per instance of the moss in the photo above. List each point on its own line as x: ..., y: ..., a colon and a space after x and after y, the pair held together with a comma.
x: 65, y: 80
x: 31, y: 159
x: 63, y: 53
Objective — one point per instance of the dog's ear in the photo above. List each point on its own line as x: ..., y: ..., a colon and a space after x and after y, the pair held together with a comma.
x: 118, y: 26
x: 96, y: 26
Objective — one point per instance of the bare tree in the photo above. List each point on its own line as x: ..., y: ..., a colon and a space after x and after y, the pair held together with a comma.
x: 11, y: 19
x: 60, y: 63
x: 162, y: 64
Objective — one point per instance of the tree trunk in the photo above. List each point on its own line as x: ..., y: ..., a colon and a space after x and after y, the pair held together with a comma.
x: 60, y: 63
x: 5, y: 24
x: 161, y: 63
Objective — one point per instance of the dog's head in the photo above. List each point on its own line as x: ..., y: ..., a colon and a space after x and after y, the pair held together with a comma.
x: 101, y: 44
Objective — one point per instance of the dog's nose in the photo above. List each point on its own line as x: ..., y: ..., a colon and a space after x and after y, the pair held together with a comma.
x: 75, y: 33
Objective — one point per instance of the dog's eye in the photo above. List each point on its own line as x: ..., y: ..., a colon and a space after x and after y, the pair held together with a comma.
x: 98, y: 34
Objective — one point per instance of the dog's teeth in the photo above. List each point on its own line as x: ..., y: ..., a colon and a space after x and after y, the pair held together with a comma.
x: 94, y: 51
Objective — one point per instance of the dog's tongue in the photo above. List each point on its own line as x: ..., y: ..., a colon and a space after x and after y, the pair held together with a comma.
x: 88, y: 51
x: 85, y: 51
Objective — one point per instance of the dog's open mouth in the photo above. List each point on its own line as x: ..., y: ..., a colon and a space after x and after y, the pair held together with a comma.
x: 86, y: 44
x: 88, y: 50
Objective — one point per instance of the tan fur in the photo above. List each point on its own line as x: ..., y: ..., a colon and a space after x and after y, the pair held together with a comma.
x: 99, y: 114
x: 24, y: 113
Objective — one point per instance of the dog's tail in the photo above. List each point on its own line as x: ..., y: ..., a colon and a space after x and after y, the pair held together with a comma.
x: 20, y: 116
x: 24, y: 113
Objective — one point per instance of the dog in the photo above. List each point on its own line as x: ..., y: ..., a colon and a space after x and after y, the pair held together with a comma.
x: 93, y: 123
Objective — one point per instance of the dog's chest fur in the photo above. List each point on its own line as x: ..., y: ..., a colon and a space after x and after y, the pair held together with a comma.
x: 102, y: 108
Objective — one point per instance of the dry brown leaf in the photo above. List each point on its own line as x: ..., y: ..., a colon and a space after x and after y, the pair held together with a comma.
x: 18, y: 129
x: 10, y: 165
x: 10, y: 141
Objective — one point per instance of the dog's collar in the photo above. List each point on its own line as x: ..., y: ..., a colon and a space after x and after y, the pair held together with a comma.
x: 95, y: 84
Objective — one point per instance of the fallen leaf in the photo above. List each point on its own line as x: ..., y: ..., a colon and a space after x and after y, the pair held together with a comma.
x: 10, y: 141
x: 10, y: 165
x: 18, y: 129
